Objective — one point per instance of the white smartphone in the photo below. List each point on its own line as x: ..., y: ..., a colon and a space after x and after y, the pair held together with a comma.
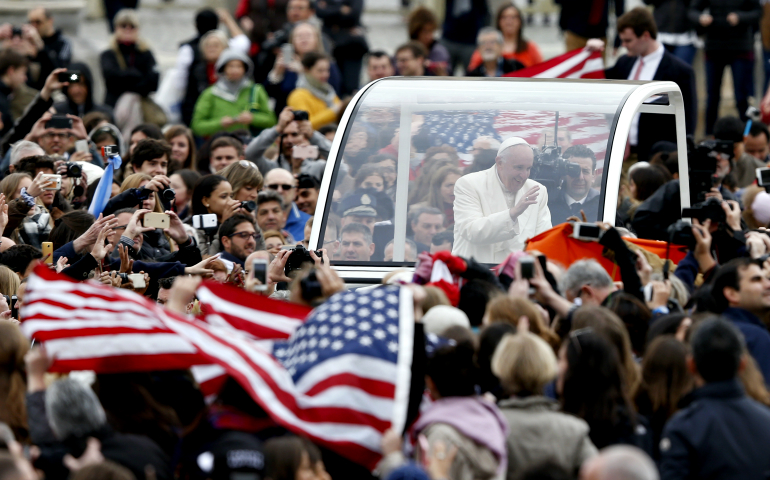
x: 208, y: 220
x: 52, y: 182
x: 587, y: 232
x: 81, y: 146
x: 137, y: 280
x: 259, y: 266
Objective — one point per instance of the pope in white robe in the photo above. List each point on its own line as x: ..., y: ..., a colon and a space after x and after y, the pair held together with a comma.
x: 497, y: 210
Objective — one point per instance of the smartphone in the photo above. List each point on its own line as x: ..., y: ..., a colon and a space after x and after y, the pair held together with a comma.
x: 587, y: 232
x: 527, y: 267
x: 52, y: 182
x: 14, y: 308
x: 259, y: 266
x: 137, y: 280
x: 305, y: 151
x: 81, y: 146
x: 71, y: 76
x: 48, y: 250
x: 763, y: 176
x: 208, y: 220
x: 156, y: 220
x: 287, y: 50
x: 59, y: 121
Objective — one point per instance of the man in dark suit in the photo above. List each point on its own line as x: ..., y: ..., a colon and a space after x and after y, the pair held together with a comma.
x: 575, y: 193
x: 490, y: 45
x: 647, y: 59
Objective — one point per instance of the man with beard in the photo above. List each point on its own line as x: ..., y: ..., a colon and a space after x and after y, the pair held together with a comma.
x: 238, y: 238
x: 490, y: 45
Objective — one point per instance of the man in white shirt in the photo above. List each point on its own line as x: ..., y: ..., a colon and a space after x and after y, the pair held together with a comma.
x: 499, y: 209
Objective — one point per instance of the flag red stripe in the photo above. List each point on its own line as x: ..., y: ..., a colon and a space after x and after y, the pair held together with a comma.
x: 255, y: 329
x: 129, y: 363
x: 255, y: 301
x: 372, y: 387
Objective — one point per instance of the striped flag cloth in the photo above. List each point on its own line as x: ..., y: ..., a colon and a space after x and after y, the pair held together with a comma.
x: 341, y: 378
x: 578, y: 63
x: 89, y: 326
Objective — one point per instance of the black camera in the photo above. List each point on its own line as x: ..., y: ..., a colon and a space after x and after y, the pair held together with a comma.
x: 708, y: 209
x: 16, y: 32
x: 301, y: 115
x: 279, y: 38
x: 70, y: 76
x: 550, y: 167
x: 310, y: 287
x: 73, y: 170
x: 168, y: 194
x: 249, y: 205
x: 298, y: 257
x: 680, y: 233
x: 123, y: 277
x: 702, y: 167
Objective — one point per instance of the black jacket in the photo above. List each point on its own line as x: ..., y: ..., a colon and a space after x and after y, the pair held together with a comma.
x: 722, y: 434
x: 5, y: 108
x: 654, y: 127
x: 135, y: 71
x: 70, y: 107
x: 720, y: 35
x: 509, y: 65
x: 671, y: 15
x: 587, y: 18
x: 58, y: 49
x: 24, y: 124
x: 560, y: 211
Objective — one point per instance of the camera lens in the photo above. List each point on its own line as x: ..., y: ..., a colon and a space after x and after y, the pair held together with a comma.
x: 168, y: 194
x: 249, y: 205
x: 74, y: 170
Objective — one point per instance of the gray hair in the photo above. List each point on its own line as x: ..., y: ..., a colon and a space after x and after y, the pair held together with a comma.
x: 584, y: 272
x: 626, y: 462
x: 490, y: 31
x: 270, y: 196
x: 73, y: 409
x: 414, y: 215
x: 22, y: 148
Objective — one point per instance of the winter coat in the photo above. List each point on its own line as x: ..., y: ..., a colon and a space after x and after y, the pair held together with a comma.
x: 128, y: 68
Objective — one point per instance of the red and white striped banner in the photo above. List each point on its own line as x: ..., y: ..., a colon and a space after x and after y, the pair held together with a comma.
x: 578, y: 63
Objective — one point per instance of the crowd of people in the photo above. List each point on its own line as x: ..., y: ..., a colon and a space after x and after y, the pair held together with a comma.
x: 534, y: 369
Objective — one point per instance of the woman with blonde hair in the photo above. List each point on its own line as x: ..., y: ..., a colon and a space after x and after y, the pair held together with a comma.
x: 525, y: 364
x: 11, y: 185
x: 9, y: 281
x: 136, y: 181
x: 13, y: 410
x: 182, y: 147
x: 274, y: 240
x: 510, y: 310
x: 128, y: 65
x: 245, y: 179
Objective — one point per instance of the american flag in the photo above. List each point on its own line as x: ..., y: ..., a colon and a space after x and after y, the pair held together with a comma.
x: 342, y: 378
x: 579, y: 63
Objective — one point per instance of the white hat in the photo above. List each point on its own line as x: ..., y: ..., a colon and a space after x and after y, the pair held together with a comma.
x: 439, y: 318
x: 510, y: 142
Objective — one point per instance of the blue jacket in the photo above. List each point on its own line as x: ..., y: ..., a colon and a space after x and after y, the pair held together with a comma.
x: 722, y: 434
x: 756, y: 335
x: 295, y: 223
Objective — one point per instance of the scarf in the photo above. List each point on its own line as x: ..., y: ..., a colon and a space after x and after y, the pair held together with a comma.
x: 320, y: 90
x: 229, y: 90
x: 104, y: 187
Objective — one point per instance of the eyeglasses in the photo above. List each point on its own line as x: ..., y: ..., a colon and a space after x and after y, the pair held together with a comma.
x: 127, y: 26
x: 573, y: 337
x: 244, y: 235
x: 121, y: 227
x: 280, y: 186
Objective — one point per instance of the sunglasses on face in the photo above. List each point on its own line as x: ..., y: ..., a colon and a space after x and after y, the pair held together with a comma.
x: 282, y: 186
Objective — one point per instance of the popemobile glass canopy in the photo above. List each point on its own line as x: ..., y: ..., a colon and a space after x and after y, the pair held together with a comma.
x: 403, y: 142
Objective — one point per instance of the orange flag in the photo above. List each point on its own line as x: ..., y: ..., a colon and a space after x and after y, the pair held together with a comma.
x: 558, y: 245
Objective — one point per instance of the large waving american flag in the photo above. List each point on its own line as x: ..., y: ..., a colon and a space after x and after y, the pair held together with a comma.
x: 341, y: 378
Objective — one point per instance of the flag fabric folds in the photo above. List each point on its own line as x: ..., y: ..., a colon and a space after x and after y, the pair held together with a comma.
x: 578, y: 63
x: 341, y: 376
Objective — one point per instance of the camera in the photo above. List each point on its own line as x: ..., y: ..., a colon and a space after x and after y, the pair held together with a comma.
x: 708, y: 209
x: 301, y: 115
x: 73, y: 170
x: 123, y: 277
x: 680, y: 233
x: 279, y: 38
x: 298, y: 257
x: 70, y: 76
x: 109, y: 151
x: 249, y: 205
x: 16, y: 32
x: 310, y: 286
x: 168, y: 194
x: 702, y: 161
x: 550, y: 167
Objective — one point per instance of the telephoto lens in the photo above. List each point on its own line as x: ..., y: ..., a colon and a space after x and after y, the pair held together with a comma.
x: 73, y: 170
x: 249, y: 205
x: 168, y: 194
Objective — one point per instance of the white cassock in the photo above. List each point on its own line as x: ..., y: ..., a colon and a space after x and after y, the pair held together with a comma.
x: 483, y: 226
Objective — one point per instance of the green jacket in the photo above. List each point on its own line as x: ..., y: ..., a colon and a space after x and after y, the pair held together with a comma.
x: 210, y: 109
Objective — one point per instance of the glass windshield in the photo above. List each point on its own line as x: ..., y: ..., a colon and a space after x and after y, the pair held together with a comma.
x: 409, y: 141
